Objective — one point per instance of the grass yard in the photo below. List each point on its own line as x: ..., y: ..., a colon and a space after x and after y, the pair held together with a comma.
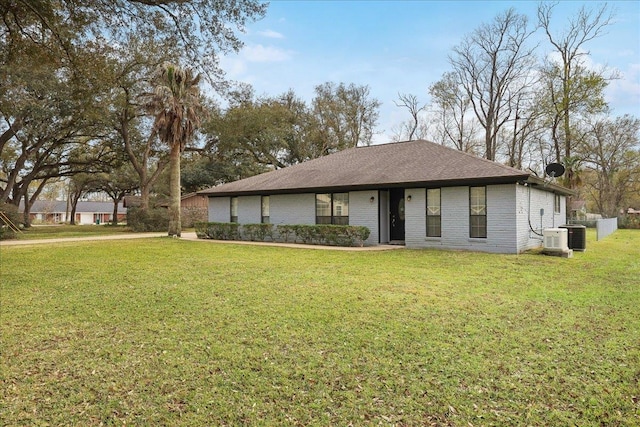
x: 62, y: 231
x: 170, y: 332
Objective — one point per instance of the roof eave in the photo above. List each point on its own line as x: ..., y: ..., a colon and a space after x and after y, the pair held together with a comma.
x: 512, y: 179
x: 549, y: 186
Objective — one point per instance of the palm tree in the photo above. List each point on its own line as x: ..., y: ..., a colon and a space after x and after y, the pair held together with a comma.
x: 176, y: 107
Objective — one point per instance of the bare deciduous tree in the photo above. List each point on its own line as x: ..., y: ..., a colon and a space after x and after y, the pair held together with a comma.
x: 611, y: 149
x: 571, y: 87
x: 524, y: 130
x: 452, y: 109
x: 415, y: 127
x: 491, y: 64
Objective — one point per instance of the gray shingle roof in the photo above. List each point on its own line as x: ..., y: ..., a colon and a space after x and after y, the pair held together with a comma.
x: 412, y: 163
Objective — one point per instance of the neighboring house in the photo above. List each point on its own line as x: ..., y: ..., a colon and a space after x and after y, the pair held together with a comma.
x: 56, y: 211
x: 578, y: 210
x: 632, y: 211
x: 416, y: 193
x: 194, y: 209
x: 194, y: 200
x: 131, y: 201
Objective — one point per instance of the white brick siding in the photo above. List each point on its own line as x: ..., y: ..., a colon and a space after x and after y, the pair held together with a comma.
x: 501, y: 232
x: 249, y: 209
x: 529, y: 202
x: 364, y: 212
x: 415, y: 227
x: 283, y: 209
x: 510, y: 207
x: 501, y: 218
x: 219, y: 209
x: 455, y: 218
x: 292, y: 208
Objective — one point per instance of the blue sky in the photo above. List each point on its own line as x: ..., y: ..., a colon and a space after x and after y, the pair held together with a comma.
x: 402, y: 46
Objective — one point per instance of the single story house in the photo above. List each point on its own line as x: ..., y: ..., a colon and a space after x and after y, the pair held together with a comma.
x: 193, y: 207
x: 194, y: 201
x: 416, y: 193
x: 57, y: 211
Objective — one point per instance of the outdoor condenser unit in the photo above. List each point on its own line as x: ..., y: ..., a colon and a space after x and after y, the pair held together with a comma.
x: 555, y: 239
x: 576, y: 237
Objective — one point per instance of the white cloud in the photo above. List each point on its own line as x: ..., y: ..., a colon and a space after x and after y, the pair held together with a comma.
x: 240, y: 66
x: 271, y: 34
x: 260, y: 53
x: 624, y: 93
x: 233, y: 66
x: 627, y: 53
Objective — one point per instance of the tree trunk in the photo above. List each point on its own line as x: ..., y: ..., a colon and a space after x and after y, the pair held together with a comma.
x: 175, y: 228
x: 75, y: 197
x: 29, y: 201
x: 72, y: 215
x: 26, y: 219
x: 114, y: 220
x: 145, y: 190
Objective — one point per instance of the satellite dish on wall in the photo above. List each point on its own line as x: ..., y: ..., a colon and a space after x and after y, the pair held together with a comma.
x: 554, y: 170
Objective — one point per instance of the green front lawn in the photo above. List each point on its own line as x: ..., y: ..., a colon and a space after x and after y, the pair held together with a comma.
x: 37, y: 232
x: 171, y: 332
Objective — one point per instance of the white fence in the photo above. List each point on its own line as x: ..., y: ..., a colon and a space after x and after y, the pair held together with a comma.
x: 604, y: 227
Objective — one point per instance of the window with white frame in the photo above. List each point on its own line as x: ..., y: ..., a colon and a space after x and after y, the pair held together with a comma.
x: 434, y: 218
x: 264, y: 210
x: 233, y: 210
x: 478, y: 212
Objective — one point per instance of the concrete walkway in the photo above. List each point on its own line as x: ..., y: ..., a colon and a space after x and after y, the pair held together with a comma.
x: 192, y: 237
x: 18, y: 242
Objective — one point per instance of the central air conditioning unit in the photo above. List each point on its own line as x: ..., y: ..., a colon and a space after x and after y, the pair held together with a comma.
x: 555, y: 239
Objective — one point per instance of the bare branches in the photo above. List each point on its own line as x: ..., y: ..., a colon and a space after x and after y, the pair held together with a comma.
x: 573, y: 88
x: 411, y: 128
x: 587, y: 25
x: 492, y: 64
x: 611, y: 150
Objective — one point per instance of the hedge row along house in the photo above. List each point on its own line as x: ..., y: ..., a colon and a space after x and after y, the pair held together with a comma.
x: 416, y: 193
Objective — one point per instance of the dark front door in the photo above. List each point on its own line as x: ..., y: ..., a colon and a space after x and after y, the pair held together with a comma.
x: 396, y: 201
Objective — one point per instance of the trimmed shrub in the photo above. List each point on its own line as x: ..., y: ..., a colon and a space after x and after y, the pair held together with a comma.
x: 307, y: 233
x: 140, y: 220
x: 258, y: 232
x: 334, y: 235
x: 201, y: 230
x: 325, y: 234
x: 285, y: 232
x: 218, y: 230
